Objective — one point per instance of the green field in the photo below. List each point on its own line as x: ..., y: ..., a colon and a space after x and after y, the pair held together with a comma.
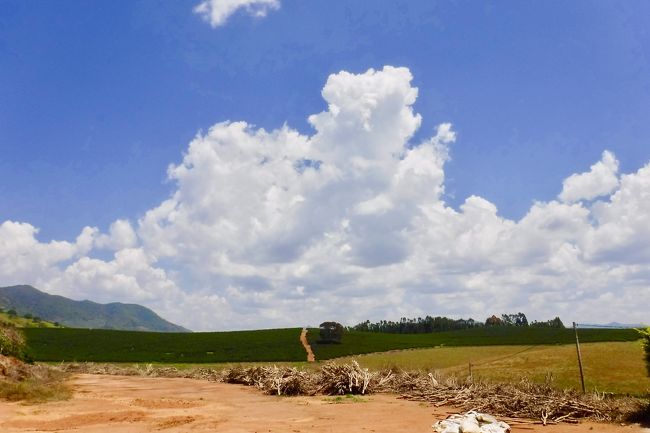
x: 615, y: 367
x: 70, y: 344
x: 355, y: 342
x: 613, y: 360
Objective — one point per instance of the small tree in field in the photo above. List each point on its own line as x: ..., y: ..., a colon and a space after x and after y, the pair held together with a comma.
x: 331, y: 332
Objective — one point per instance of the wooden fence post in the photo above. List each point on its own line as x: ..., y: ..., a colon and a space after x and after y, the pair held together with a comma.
x: 582, y: 376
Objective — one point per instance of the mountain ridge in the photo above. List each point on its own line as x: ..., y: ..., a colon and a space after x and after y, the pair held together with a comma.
x: 83, y: 314
x: 616, y: 325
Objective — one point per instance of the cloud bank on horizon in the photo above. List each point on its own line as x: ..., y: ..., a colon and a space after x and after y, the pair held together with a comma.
x: 277, y: 228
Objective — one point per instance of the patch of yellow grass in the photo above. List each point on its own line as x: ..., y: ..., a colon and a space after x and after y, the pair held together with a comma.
x: 431, y: 359
x: 616, y: 367
x: 34, y: 391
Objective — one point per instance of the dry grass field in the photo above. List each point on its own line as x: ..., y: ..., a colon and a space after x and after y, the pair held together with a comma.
x: 615, y: 367
x: 612, y: 367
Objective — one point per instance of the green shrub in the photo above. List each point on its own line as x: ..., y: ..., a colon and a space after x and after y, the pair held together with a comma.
x: 646, y: 346
x: 12, y: 342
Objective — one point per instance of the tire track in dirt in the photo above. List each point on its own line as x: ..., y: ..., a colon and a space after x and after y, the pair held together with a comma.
x: 305, y: 344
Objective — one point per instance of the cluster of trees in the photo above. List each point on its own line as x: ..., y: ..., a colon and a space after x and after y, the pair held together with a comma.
x: 429, y: 324
x: 519, y: 319
x: 417, y: 326
x: 553, y: 323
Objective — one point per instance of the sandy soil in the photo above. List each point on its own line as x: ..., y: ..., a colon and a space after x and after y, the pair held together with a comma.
x: 138, y: 404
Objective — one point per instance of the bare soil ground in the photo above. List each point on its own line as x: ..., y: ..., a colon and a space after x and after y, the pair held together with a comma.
x: 122, y: 404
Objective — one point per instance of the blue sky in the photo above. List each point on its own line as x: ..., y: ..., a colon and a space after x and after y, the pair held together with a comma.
x: 98, y: 98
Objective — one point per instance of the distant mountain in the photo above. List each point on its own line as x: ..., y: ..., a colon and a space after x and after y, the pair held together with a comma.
x: 612, y: 325
x: 83, y: 314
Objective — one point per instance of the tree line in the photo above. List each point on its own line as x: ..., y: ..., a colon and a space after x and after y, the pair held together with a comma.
x: 422, y: 325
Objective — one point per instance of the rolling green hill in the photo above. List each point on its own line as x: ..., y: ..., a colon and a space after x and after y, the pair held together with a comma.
x: 25, y: 322
x: 82, y: 314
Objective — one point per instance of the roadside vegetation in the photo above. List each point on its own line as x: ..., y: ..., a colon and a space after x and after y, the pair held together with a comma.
x: 12, y: 342
x: 20, y: 381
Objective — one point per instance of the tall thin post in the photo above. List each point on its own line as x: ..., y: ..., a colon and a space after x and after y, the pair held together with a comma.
x: 582, y: 376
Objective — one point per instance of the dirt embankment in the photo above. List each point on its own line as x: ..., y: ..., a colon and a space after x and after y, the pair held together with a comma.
x: 122, y: 404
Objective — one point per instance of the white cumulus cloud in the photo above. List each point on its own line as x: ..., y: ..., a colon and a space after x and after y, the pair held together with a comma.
x: 24, y: 259
x: 217, y: 12
x: 600, y: 180
x: 277, y: 228
x: 121, y: 235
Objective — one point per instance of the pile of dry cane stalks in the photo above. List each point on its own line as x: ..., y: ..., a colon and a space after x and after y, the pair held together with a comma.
x: 514, y: 400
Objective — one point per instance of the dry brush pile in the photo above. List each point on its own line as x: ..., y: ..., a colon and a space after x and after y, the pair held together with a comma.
x: 272, y: 379
x: 526, y: 400
x: 515, y: 400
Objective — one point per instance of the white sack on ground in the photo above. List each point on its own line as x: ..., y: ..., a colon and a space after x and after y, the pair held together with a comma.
x: 471, y: 422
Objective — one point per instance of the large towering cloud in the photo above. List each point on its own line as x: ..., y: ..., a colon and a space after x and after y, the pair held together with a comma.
x: 275, y: 228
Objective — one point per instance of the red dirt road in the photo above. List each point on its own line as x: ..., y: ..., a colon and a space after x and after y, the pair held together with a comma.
x: 305, y: 344
x: 120, y: 404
